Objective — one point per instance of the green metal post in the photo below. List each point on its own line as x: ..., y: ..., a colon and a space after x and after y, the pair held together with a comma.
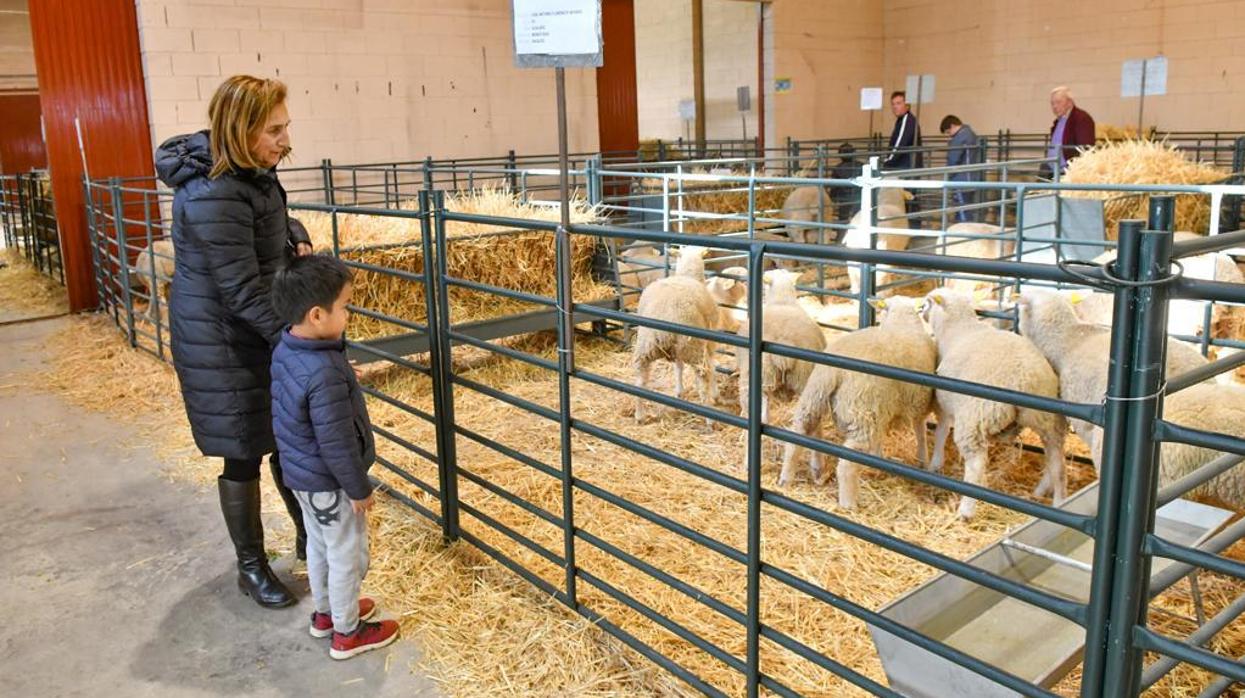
x: 1118, y: 376
x: 1139, y: 486
x: 439, y: 369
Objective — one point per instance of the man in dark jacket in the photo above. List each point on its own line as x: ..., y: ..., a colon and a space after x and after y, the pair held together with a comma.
x: 962, y: 149
x: 230, y: 234
x: 846, y: 199
x: 321, y: 424
x: 905, y: 135
x: 1073, y: 128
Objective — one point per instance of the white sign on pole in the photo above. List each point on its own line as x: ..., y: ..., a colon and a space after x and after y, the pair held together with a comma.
x: 870, y: 98
x: 557, y: 32
x: 1155, y: 72
x: 920, y: 89
x: 687, y: 109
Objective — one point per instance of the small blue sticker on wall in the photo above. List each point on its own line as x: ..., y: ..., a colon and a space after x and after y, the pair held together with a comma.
x: 782, y: 85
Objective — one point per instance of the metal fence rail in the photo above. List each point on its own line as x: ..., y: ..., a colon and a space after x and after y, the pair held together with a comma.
x: 555, y: 546
x: 28, y: 216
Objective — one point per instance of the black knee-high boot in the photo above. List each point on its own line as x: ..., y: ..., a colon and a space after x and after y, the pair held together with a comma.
x: 292, y: 506
x: 239, y: 502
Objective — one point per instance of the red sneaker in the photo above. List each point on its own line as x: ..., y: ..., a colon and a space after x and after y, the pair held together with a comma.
x: 322, y: 623
x: 366, y: 637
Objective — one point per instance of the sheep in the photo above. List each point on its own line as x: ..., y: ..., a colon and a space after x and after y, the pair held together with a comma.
x: 1001, y: 247
x: 1184, y: 317
x: 1080, y: 354
x: 157, y: 255
x: 971, y: 350
x: 729, y: 290
x: 889, y: 215
x: 784, y: 322
x: 637, y: 268
x: 683, y: 299
x: 1208, y: 407
x: 866, y: 407
x: 802, y: 206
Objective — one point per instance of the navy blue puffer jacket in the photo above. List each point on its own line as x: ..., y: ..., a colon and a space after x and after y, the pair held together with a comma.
x: 229, y: 236
x: 320, y: 418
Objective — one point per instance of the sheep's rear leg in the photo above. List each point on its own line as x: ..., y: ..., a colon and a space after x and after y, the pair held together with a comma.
x: 1054, y: 479
x: 975, y: 462
x: 849, y: 471
x: 678, y: 378
x: 918, y: 431
x: 642, y: 372
x: 945, y: 422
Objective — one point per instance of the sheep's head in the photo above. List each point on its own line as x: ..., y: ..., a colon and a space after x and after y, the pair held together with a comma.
x: 729, y: 286
x: 1042, y: 310
x: 900, y: 311
x: 691, y: 261
x: 942, y: 305
x: 781, y: 285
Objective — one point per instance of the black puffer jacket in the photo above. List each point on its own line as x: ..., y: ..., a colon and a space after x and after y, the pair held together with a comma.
x: 229, y: 236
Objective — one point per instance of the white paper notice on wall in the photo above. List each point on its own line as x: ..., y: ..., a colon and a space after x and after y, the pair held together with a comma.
x: 556, y: 31
x: 1154, y: 70
x: 920, y: 89
x: 870, y: 98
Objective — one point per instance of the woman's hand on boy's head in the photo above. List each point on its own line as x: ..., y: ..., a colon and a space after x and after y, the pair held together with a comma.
x: 303, y: 249
x: 361, y: 506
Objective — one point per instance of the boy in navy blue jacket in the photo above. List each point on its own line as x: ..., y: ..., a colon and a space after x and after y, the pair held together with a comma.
x: 325, y: 440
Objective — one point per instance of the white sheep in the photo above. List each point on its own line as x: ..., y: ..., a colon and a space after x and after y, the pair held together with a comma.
x: 1080, y: 353
x: 802, y: 206
x: 999, y: 247
x: 637, y: 268
x: 1208, y: 407
x: 683, y: 299
x: 890, y: 214
x: 158, y: 256
x: 784, y: 322
x: 1184, y: 317
x: 866, y: 407
x: 729, y: 290
x: 972, y: 350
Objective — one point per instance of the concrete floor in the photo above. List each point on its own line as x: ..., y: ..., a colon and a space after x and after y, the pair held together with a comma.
x: 117, y: 582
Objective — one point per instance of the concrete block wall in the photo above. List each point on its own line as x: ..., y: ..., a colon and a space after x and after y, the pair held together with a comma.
x: 829, y: 49
x: 996, y: 61
x: 664, y: 66
x: 17, y: 52
x: 369, y: 80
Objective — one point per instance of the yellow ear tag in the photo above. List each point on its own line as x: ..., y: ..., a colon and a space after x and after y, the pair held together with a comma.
x: 1076, y: 298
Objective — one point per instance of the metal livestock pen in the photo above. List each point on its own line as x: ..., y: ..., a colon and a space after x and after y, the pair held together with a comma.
x: 556, y: 544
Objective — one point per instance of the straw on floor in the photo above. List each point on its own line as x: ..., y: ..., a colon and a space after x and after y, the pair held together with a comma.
x: 26, y: 290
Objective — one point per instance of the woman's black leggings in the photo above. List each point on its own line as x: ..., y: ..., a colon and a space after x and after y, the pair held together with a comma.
x: 246, y: 469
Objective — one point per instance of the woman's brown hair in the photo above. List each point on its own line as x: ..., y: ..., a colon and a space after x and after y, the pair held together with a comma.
x: 237, y: 112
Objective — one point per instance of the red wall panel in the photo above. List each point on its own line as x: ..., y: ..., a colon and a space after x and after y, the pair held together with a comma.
x: 88, y: 61
x: 618, y: 117
x: 21, y: 139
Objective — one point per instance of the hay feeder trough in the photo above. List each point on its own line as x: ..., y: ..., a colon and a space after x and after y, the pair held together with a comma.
x: 1016, y: 637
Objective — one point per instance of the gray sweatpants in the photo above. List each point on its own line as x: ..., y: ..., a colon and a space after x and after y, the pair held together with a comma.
x: 336, y: 555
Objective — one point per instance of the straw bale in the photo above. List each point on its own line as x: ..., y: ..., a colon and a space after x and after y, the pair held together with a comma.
x: 26, y: 290
x: 516, y: 260
x: 708, y: 197
x: 1142, y: 162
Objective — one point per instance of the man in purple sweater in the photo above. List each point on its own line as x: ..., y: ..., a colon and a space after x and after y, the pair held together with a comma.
x: 1073, y: 128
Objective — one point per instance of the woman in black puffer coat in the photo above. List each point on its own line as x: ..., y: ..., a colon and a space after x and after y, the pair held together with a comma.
x: 230, y: 233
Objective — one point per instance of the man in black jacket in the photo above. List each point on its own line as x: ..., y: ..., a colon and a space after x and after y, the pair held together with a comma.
x: 905, y: 134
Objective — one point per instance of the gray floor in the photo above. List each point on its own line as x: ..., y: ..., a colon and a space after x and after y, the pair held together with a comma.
x: 116, y: 582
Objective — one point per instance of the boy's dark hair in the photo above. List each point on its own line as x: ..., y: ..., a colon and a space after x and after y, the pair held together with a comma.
x: 313, y: 281
x: 948, y: 121
x: 899, y: 93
